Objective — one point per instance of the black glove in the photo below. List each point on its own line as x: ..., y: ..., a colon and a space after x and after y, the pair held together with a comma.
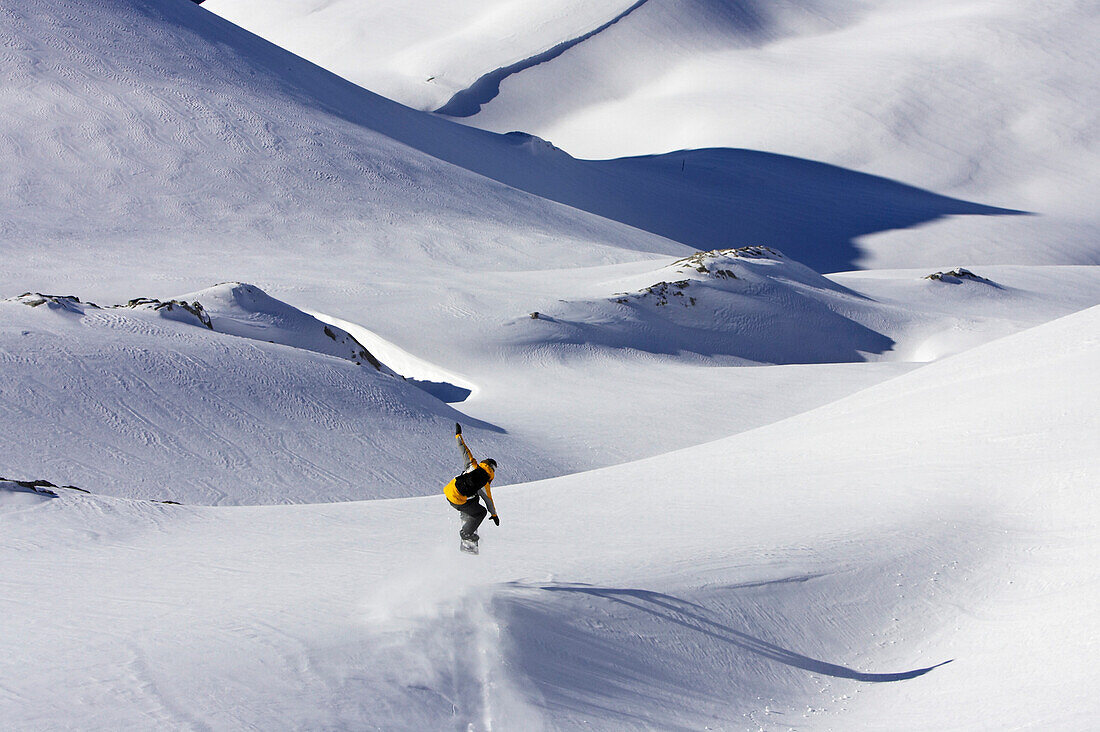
x: 458, y: 428
x: 496, y: 520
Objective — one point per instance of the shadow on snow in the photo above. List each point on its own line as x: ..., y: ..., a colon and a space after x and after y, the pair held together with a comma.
x: 691, y: 615
x: 468, y: 102
x: 703, y: 199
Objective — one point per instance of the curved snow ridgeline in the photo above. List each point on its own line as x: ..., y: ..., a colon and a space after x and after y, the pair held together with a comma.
x: 262, y: 405
x: 227, y: 395
x: 237, y: 309
x: 888, y: 522
x: 469, y: 101
x: 751, y: 303
x: 881, y: 558
x: 247, y: 311
x: 17, y: 494
x: 754, y: 305
x: 325, y: 186
x: 1008, y: 118
x: 431, y: 377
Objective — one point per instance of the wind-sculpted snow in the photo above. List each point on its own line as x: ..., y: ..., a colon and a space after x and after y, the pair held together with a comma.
x: 237, y: 309
x: 420, y: 53
x: 958, y: 276
x: 125, y: 402
x: 469, y: 101
x: 65, y: 303
x: 18, y: 494
x: 721, y: 198
x: 915, y: 553
x: 246, y: 162
x: 1008, y: 118
x: 753, y: 304
x: 155, y: 136
x: 675, y: 659
x: 621, y: 360
x: 181, y: 310
x: 892, y: 528
x: 129, y: 402
x: 247, y: 311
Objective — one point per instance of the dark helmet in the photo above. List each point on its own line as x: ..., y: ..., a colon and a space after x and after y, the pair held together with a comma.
x: 491, y: 463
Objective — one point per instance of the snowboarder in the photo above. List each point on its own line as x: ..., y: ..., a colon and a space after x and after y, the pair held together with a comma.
x: 464, y: 491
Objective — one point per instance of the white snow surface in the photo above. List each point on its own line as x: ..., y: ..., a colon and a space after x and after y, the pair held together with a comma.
x: 992, y: 101
x: 816, y: 572
x: 265, y: 408
x: 757, y: 469
x: 168, y: 175
x: 416, y: 52
x: 128, y: 403
x: 246, y: 311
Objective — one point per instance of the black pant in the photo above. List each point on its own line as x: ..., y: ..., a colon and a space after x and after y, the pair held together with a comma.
x: 475, y: 514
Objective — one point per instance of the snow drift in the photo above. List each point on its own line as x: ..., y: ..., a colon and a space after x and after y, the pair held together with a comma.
x: 1008, y: 117
x: 128, y: 402
x: 247, y: 311
x: 752, y: 303
x: 818, y: 571
x: 230, y: 139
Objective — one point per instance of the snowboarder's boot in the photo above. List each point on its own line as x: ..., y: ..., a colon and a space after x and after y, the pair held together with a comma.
x: 469, y: 546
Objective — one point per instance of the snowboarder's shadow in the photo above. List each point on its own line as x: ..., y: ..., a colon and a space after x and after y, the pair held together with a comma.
x: 690, y: 615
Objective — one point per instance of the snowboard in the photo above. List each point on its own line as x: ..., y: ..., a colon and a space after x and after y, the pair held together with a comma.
x: 468, y: 546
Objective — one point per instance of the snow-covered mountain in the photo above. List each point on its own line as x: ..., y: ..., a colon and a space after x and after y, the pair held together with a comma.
x: 991, y: 102
x: 127, y: 402
x: 793, y: 409
x: 885, y: 557
x: 245, y: 143
x: 245, y: 310
x: 185, y: 391
x: 752, y: 303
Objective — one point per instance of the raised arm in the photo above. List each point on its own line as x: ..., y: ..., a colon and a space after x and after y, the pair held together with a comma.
x: 467, y: 456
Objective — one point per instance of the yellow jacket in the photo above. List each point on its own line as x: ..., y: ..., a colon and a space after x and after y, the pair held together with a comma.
x: 486, y: 492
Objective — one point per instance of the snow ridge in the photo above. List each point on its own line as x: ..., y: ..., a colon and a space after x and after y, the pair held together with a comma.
x: 750, y: 304
x: 468, y: 102
x: 246, y: 311
x: 889, y: 520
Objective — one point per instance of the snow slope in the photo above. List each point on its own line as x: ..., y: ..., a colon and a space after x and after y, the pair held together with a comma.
x: 247, y: 311
x: 417, y: 53
x: 895, y: 527
x: 129, y: 403
x: 752, y: 303
x: 936, y: 317
x: 148, y: 403
x: 229, y: 158
x: 984, y: 101
x: 987, y: 101
x: 182, y: 173
x: 914, y: 554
